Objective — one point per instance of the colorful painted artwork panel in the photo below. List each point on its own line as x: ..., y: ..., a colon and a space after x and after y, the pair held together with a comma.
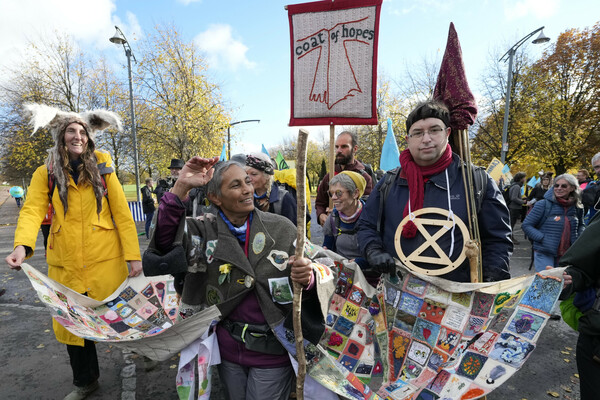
x: 410, y: 304
x: 511, y: 350
x: 542, y: 293
x: 426, y: 331
x: 415, y: 286
x: 526, y: 323
x: 432, y: 311
x: 482, y: 304
x: 506, y: 300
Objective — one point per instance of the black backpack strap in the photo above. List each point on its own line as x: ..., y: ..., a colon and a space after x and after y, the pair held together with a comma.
x: 384, y: 189
x: 480, y: 182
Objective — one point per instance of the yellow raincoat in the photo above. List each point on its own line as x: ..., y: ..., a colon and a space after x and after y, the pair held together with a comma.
x: 86, y: 251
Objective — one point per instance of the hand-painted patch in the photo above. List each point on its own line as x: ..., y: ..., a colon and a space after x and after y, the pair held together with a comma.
x: 511, y: 350
x: 279, y: 259
x: 258, y: 244
x: 213, y: 295
x: 426, y: 331
x: 526, y: 323
x: 419, y: 352
x: 542, y: 293
x: 281, y: 292
x: 471, y: 364
x: 211, y: 245
x: 482, y: 303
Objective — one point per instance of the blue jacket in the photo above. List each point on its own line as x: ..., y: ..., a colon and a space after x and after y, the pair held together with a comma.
x: 494, y: 227
x: 546, y: 234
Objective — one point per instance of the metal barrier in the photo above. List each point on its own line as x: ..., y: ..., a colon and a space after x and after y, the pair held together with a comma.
x: 136, y: 210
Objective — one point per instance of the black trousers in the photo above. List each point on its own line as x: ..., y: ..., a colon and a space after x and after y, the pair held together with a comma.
x: 589, y: 370
x: 84, y: 363
x: 514, y: 217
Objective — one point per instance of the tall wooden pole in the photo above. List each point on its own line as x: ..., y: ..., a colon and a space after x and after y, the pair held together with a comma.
x: 301, y: 234
x: 331, y: 166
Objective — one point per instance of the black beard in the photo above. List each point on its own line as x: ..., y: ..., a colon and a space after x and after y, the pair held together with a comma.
x: 343, y: 160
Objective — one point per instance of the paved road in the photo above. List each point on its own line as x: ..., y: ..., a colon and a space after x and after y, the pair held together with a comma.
x: 35, y: 365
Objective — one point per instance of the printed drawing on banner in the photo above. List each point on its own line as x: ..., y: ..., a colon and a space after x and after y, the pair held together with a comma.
x: 334, y: 62
x: 329, y: 50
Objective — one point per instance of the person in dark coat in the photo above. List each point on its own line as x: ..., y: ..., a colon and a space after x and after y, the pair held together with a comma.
x: 268, y: 196
x: 238, y: 262
x: 430, y: 176
x: 538, y: 192
x: 148, y: 204
x: 582, y: 273
x: 165, y: 184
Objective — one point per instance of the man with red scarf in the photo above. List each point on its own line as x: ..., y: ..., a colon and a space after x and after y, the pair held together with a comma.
x: 430, y: 176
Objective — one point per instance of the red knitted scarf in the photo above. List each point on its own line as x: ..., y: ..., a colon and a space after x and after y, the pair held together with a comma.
x: 416, y: 177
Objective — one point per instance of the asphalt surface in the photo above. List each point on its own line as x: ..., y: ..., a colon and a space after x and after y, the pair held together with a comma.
x: 35, y: 366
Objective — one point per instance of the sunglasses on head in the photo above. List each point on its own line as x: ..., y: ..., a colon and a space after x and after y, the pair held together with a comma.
x: 562, y: 185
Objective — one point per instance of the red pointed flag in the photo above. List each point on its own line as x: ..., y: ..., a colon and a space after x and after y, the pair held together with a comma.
x: 452, y: 87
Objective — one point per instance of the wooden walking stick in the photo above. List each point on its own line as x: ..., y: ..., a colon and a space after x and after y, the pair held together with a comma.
x: 301, y: 234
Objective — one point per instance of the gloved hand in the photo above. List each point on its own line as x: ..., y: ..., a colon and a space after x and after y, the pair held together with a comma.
x: 381, y: 261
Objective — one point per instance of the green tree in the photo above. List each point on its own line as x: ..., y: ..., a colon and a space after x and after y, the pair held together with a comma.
x: 53, y: 72
x: 181, y: 113
x: 568, y: 114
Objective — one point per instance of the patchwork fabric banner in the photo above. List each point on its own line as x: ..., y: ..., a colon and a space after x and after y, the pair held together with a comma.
x: 140, y: 315
x: 334, y: 62
x: 419, y: 338
x: 426, y: 337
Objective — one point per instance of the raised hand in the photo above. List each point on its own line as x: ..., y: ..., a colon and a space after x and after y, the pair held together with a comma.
x: 196, y: 172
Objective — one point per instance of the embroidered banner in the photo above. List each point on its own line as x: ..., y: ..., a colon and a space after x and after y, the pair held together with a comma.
x: 334, y: 62
x: 420, y: 338
x: 426, y: 337
x: 140, y: 315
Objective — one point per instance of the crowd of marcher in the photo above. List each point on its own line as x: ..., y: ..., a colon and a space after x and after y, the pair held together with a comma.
x: 238, y: 205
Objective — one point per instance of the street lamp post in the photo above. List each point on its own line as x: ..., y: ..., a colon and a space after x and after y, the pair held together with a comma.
x: 510, y: 54
x: 119, y: 38
x: 229, y: 137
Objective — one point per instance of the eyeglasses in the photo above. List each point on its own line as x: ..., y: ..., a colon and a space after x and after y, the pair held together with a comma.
x: 337, y: 193
x: 419, y: 133
x: 562, y: 185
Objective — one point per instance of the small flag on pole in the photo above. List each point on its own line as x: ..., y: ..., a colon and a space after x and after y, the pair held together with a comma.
x: 281, y: 164
x: 532, y: 182
x: 505, y: 169
x: 389, y: 152
x: 264, y: 150
x: 223, y: 154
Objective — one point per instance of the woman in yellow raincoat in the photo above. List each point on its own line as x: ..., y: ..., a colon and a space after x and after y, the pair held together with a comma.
x: 92, y: 233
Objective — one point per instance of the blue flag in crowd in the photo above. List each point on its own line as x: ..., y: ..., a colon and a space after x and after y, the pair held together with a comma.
x: 505, y: 169
x: 223, y: 154
x: 264, y: 150
x: 389, y: 153
x: 532, y: 182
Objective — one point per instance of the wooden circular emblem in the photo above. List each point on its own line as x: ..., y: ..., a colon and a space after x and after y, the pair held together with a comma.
x: 445, y: 226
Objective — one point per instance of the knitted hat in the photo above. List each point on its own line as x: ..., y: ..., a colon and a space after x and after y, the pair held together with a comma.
x: 358, y: 180
x: 261, y: 162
